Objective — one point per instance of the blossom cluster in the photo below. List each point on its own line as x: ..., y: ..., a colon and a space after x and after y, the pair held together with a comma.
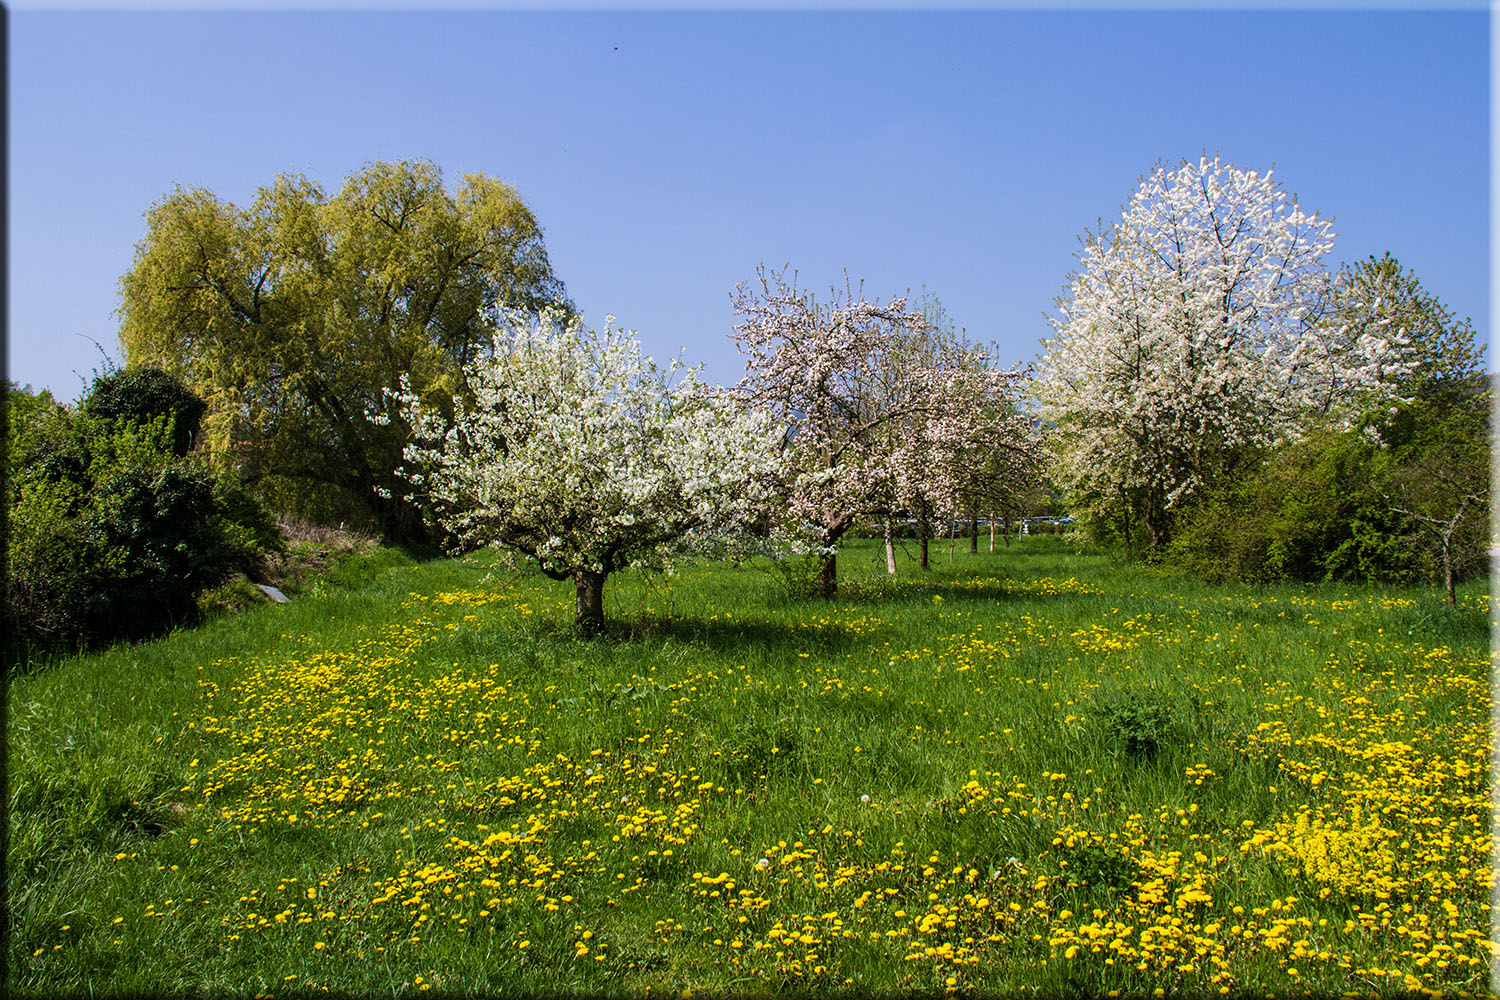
x: 1194, y: 324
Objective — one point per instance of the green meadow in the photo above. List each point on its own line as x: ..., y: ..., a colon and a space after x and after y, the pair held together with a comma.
x: 1032, y: 771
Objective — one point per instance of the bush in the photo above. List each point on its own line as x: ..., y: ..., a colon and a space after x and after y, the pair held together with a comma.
x: 1137, y: 722
x: 1306, y: 512
x: 113, y: 534
x: 143, y: 395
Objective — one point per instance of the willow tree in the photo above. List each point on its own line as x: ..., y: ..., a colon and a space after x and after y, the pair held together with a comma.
x: 295, y: 318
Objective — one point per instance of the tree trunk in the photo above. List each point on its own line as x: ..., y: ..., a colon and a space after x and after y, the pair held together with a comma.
x: 1448, y: 564
x: 590, y: 585
x: 922, y: 532
x: 890, y: 549
x: 1005, y: 530
x: 400, y: 522
x: 828, y: 577
x: 992, y: 535
x: 973, y: 534
x: 1156, y: 519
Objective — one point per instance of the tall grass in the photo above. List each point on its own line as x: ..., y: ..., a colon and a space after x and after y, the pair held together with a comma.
x: 1026, y: 771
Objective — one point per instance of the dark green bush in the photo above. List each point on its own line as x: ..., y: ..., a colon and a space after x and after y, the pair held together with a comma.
x: 143, y: 395
x: 113, y: 534
x: 1309, y: 511
x: 1143, y: 722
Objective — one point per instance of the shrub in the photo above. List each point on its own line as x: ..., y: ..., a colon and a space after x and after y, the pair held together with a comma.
x: 1144, y: 721
x: 143, y: 395
x: 113, y: 534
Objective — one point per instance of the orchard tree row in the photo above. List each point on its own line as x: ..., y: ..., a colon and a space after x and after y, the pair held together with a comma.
x: 1212, y: 392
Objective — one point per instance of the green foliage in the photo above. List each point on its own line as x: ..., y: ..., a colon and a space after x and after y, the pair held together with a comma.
x: 293, y: 317
x: 1139, y: 721
x: 1400, y: 496
x: 798, y: 574
x: 1309, y: 511
x: 113, y: 534
x: 141, y: 395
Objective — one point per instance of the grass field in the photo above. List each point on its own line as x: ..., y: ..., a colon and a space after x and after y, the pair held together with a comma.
x: 1027, y: 771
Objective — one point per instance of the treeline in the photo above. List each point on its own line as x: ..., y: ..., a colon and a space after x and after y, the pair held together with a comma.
x: 1211, y: 397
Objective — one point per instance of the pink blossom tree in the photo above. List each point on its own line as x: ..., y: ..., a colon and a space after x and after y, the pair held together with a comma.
x: 876, y: 411
x: 971, y: 443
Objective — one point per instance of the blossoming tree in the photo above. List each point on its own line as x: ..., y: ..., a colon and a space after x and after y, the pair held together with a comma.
x: 578, y: 453
x: 1191, y: 331
x: 873, y: 410
x: 970, y: 443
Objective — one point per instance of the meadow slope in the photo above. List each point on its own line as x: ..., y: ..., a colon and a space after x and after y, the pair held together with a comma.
x: 1026, y: 771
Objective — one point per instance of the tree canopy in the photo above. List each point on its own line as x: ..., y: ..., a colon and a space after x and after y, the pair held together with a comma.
x: 294, y: 317
x: 1193, y: 331
x: 578, y: 453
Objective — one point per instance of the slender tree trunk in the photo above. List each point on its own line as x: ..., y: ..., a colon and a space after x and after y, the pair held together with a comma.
x: 952, y: 535
x: 1005, y: 529
x: 828, y: 578
x: 1448, y: 565
x: 890, y: 549
x: 923, y: 530
x: 590, y: 586
x: 973, y: 534
x: 1156, y: 519
x: 992, y: 535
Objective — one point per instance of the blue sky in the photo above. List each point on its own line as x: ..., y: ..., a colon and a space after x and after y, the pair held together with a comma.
x: 666, y: 154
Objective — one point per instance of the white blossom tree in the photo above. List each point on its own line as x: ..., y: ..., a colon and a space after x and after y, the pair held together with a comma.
x: 579, y: 453
x: 1190, y: 331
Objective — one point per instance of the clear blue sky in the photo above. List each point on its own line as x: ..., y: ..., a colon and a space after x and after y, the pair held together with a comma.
x: 667, y: 154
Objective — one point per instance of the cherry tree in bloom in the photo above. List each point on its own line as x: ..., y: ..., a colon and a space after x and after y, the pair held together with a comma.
x: 869, y: 409
x: 970, y: 443
x: 577, y: 452
x: 1190, y: 331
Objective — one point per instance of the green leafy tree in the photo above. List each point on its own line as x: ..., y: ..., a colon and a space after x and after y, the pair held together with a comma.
x: 1431, y: 465
x: 1399, y: 494
x: 295, y: 319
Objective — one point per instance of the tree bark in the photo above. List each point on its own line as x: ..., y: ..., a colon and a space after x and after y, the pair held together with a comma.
x: 890, y: 549
x: 973, y: 534
x: 828, y: 577
x: 1005, y: 530
x: 590, y: 587
x: 1448, y: 563
x: 923, y: 530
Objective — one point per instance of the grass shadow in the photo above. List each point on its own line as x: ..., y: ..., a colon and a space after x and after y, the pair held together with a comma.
x: 719, y: 636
